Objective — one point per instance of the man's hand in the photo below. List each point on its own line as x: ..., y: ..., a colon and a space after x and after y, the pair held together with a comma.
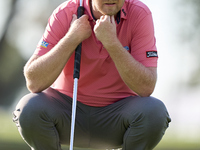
x: 80, y: 29
x: 105, y: 30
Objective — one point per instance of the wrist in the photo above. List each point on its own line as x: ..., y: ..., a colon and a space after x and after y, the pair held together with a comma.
x: 72, y: 39
x: 112, y: 45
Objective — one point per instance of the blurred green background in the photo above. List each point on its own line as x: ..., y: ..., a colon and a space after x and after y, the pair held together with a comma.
x: 177, y: 29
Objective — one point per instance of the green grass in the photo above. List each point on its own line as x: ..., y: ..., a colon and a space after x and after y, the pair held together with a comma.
x: 177, y: 144
x: 10, y: 138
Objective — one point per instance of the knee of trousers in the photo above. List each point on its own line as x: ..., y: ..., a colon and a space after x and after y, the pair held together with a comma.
x: 156, y: 117
x: 148, y: 119
x: 29, y: 110
x: 156, y: 120
x: 156, y: 112
x: 152, y: 113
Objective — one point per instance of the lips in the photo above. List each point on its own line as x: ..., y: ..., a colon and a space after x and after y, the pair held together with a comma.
x: 109, y: 3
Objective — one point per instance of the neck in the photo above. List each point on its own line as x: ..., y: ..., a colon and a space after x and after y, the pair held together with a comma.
x: 94, y: 14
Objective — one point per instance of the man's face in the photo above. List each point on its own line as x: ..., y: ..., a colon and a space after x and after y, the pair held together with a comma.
x: 106, y: 7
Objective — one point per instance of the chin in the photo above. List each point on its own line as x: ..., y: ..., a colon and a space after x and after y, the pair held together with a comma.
x: 109, y: 13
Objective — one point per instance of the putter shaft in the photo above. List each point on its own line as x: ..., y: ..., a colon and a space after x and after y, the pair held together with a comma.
x: 73, y: 113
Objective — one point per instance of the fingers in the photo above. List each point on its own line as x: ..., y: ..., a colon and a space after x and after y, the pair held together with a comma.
x: 74, y: 17
x: 85, y: 16
x: 106, y: 18
x: 102, y: 18
x: 112, y: 19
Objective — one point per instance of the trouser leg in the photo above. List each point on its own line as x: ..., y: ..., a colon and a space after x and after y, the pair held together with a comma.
x: 40, y: 118
x: 145, y: 121
x: 44, y: 120
x: 134, y: 123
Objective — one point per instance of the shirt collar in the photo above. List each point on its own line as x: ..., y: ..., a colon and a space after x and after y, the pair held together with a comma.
x: 86, y: 4
x: 124, y: 11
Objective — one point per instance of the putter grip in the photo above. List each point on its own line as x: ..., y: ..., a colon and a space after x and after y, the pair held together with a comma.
x: 77, y: 59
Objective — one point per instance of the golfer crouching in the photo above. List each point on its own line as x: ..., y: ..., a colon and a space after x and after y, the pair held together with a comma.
x: 118, y: 74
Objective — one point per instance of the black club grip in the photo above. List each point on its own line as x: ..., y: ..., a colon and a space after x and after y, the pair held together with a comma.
x: 80, y: 11
x: 77, y: 59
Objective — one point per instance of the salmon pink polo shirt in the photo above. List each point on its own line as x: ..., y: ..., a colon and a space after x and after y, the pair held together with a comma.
x: 100, y: 83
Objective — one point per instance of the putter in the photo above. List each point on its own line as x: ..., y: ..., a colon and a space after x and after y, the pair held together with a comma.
x: 76, y: 76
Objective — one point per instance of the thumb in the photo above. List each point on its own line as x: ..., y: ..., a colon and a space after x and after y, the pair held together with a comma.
x: 113, y: 19
x: 74, y: 17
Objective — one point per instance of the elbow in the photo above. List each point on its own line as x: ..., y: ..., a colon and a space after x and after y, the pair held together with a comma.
x: 35, y: 85
x: 32, y: 84
x: 146, y: 92
x: 33, y: 88
x: 147, y: 89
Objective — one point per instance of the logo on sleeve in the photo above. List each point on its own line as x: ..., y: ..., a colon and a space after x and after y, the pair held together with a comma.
x: 44, y: 44
x: 151, y: 54
x: 126, y: 47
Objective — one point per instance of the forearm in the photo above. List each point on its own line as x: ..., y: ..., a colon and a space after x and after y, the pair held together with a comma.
x: 137, y: 77
x: 43, y: 71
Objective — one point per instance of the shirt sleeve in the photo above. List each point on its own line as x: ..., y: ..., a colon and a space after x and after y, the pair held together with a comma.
x: 57, y: 27
x: 143, y: 44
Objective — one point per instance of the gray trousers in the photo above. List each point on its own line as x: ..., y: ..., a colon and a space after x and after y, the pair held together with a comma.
x: 133, y: 123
